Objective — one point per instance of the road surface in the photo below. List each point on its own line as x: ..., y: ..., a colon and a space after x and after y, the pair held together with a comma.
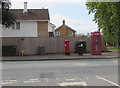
x: 91, y: 72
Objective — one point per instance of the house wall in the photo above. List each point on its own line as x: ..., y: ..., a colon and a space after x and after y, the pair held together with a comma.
x: 68, y: 30
x: 42, y: 28
x: 50, y: 28
x: 27, y: 29
x: 0, y: 48
x: 64, y: 31
x: 0, y: 30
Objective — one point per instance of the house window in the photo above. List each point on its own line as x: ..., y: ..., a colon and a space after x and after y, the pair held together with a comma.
x: 16, y: 25
x: 13, y: 26
x: 70, y: 33
x: 57, y: 33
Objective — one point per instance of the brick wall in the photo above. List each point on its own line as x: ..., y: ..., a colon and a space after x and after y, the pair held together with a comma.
x: 64, y: 30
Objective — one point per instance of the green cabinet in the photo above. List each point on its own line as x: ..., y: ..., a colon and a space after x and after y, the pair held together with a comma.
x: 41, y: 50
x: 9, y: 50
x: 81, y: 43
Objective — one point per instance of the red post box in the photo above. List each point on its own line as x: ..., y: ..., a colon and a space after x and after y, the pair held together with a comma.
x: 96, y: 46
x: 67, y: 49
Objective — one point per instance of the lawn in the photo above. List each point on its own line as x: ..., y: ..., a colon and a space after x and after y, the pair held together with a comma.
x: 111, y: 47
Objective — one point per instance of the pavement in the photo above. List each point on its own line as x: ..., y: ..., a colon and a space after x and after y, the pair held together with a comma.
x: 73, y: 56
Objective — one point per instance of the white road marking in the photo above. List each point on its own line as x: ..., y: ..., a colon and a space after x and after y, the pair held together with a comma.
x: 34, y: 79
x: 46, y: 79
x: 83, y: 83
x: 28, y: 81
x: 9, y: 82
x: 70, y: 79
x: 15, y: 81
x: 108, y: 81
x: 31, y: 81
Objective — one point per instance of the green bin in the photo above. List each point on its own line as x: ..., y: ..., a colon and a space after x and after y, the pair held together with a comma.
x: 41, y: 50
x: 9, y: 50
x: 79, y: 42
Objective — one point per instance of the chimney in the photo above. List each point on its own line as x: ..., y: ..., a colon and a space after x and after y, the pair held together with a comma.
x: 63, y: 22
x: 25, y: 8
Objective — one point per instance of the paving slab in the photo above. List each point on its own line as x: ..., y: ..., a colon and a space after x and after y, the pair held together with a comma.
x: 73, y: 56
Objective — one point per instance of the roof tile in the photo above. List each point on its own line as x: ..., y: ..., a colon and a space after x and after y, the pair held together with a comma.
x: 33, y: 14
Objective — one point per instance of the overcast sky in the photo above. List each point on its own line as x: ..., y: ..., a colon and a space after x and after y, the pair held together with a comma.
x: 74, y: 12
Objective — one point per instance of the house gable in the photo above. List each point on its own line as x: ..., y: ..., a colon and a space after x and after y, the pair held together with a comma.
x: 65, y: 31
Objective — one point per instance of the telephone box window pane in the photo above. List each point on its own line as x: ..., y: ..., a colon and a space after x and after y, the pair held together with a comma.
x: 17, y: 25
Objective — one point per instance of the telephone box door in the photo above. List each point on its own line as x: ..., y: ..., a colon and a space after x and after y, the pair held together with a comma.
x: 96, y: 43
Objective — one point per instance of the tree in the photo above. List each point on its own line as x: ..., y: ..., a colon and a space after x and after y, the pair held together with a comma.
x: 7, y: 17
x: 107, y: 16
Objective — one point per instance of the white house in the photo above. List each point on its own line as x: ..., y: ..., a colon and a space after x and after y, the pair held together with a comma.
x: 51, y: 29
x: 0, y: 30
x: 29, y: 23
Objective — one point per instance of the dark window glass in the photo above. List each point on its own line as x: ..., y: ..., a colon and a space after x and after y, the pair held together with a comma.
x: 17, y: 25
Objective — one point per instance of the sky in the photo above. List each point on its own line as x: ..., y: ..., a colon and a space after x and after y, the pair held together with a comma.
x: 74, y: 12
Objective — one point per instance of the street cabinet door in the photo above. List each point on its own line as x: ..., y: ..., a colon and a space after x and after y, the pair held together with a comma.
x: 96, y: 45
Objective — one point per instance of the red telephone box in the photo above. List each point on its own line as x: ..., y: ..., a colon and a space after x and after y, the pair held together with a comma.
x: 67, y: 49
x: 96, y: 40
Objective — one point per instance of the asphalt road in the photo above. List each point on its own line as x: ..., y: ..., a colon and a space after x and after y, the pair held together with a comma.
x: 91, y: 72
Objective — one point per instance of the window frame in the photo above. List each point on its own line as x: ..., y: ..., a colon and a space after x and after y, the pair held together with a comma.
x: 16, y: 26
x: 57, y: 33
x: 70, y: 33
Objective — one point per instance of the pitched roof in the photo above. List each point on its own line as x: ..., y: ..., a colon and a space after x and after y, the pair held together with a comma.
x: 66, y: 26
x: 33, y: 14
x: 71, y: 28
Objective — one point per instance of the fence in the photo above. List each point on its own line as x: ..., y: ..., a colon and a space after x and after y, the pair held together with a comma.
x: 52, y: 45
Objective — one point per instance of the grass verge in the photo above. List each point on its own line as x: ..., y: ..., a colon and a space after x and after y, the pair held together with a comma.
x: 111, y: 47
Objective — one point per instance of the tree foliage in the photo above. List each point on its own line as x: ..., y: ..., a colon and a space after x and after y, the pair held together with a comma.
x: 7, y: 17
x: 107, y: 16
